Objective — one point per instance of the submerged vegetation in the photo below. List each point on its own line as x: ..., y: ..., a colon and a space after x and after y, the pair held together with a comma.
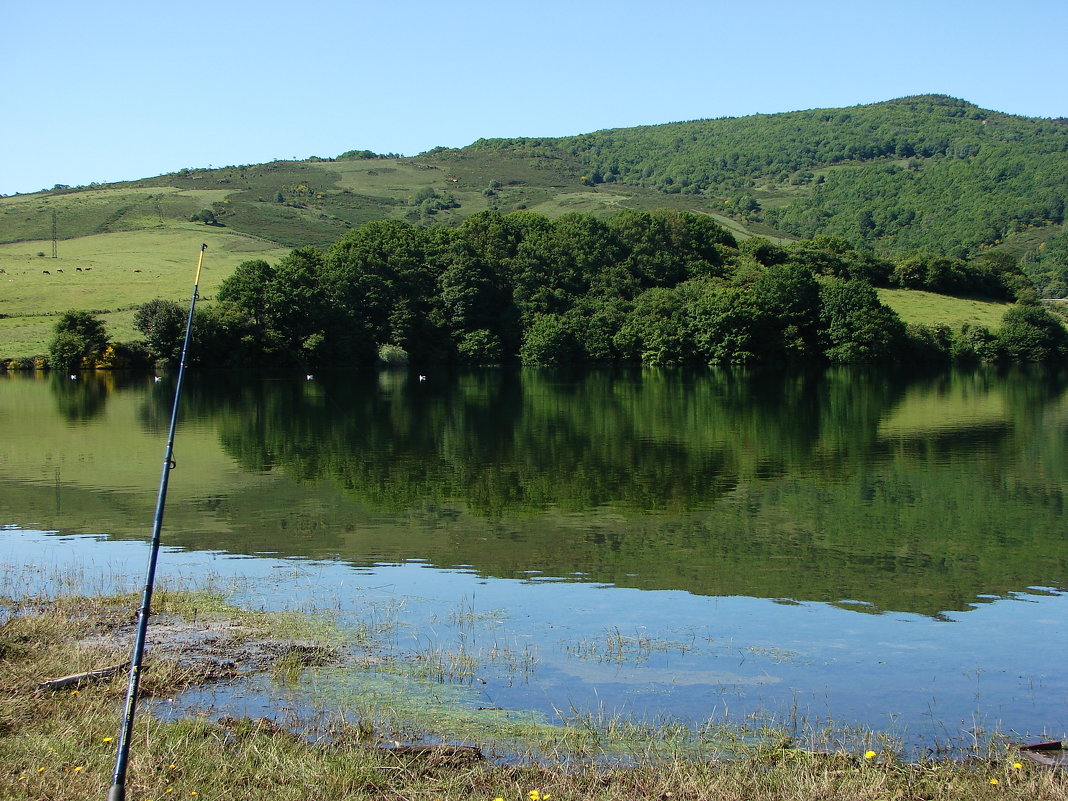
x: 60, y: 745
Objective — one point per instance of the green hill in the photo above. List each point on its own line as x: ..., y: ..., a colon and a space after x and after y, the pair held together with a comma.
x: 313, y: 202
x: 928, y: 173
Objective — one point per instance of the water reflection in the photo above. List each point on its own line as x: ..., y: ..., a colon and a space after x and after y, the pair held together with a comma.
x: 918, y: 493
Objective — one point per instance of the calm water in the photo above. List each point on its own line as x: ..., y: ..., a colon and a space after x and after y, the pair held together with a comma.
x: 865, y: 546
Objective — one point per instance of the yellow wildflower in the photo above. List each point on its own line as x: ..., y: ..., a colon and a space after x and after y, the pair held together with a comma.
x: 994, y: 781
x: 80, y: 767
x: 1017, y: 765
x: 108, y: 740
x: 869, y: 755
x: 534, y: 795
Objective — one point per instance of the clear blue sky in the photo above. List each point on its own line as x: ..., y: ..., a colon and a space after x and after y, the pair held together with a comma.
x: 106, y: 91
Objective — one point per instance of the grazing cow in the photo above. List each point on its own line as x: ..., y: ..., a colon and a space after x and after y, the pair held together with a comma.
x: 137, y: 271
x: 59, y: 271
x: 79, y: 269
x: 45, y: 272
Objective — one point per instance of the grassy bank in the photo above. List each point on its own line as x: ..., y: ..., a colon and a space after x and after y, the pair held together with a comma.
x: 60, y: 745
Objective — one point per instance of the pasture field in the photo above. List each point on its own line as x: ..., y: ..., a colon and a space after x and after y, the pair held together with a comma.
x: 929, y: 308
x: 111, y: 274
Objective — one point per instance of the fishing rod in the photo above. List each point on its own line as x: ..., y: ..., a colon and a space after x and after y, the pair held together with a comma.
x: 122, y: 753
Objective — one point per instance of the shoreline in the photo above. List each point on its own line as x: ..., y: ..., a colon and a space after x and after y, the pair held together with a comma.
x: 59, y: 744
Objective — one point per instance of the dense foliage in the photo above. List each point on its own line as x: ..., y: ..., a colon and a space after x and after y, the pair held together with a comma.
x: 657, y: 288
x: 926, y: 173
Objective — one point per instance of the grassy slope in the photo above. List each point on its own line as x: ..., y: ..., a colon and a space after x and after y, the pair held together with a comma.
x: 320, y: 200
x: 932, y: 309
x: 111, y: 273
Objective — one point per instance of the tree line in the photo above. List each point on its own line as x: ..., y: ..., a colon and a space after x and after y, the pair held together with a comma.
x: 660, y: 288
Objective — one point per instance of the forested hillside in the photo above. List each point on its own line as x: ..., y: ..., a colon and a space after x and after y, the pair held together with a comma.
x: 926, y: 173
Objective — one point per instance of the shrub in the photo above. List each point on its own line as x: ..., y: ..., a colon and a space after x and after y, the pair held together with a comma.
x: 857, y: 327
x: 975, y: 343
x: 163, y: 324
x: 655, y: 331
x: 548, y: 341
x: 79, y: 337
x: 124, y: 355
x: 392, y: 355
x: 924, y: 343
x: 1032, y: 334
x: 65, y: 351
x: 480, y: 347
x: 206, y: 216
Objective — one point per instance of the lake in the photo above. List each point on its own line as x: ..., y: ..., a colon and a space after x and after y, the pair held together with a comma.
x: 873, y: 547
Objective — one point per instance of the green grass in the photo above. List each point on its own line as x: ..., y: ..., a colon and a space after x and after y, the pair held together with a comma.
x: 322, y: 199
x: 111, y: 274
x: 98, y: 211
x: 932, y: 309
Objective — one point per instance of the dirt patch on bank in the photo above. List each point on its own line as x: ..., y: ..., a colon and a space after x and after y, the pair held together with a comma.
x: 220, y: 649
